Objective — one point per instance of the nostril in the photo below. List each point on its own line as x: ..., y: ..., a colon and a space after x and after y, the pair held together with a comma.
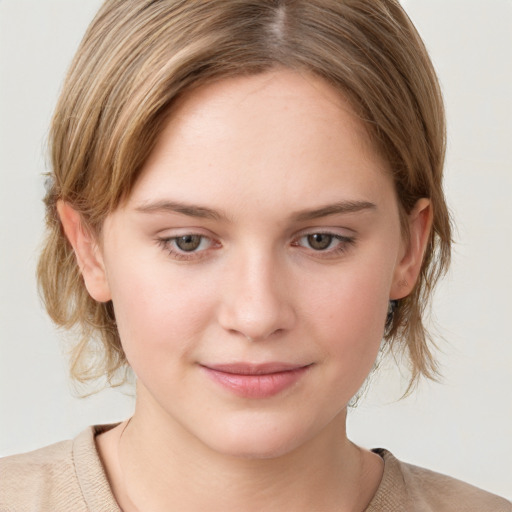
x: 263, y: 337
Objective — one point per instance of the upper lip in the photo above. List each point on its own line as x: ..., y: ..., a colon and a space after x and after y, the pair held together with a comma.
x: 255, y: 369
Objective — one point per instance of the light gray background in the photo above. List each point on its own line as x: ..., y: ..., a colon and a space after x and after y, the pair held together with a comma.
x: 463, y: 426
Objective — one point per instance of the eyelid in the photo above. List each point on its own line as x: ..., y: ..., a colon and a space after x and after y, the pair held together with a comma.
x: 344, y: 233
x: 328, y: 230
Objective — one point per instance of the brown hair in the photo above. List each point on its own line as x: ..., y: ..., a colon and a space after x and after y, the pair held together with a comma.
x: 138, y: 56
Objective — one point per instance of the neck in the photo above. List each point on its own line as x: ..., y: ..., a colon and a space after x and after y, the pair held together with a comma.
x: 160, y: 466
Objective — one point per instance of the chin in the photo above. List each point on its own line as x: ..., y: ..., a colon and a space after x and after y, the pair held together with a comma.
x: 260, y: 437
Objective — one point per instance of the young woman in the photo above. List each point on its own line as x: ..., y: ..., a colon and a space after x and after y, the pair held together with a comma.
x: 245, y: 205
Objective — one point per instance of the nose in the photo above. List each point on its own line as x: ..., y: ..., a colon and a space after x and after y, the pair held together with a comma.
x: 256, y: 301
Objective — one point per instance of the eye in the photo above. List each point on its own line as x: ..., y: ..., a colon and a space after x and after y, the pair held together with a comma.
x: 187, y: 246
x: 327, y: 243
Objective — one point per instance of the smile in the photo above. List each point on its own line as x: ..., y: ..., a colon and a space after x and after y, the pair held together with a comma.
x: 256, y: 381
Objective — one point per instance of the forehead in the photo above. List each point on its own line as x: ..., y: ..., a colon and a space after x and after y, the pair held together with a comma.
x: 280, y: 134
x: 259, y: 105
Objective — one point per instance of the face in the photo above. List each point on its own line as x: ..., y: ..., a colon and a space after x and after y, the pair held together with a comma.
x: 251, y: 268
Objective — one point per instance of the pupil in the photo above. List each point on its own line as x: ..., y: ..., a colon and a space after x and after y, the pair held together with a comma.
x: 319, y: 241
x: 188, y: 242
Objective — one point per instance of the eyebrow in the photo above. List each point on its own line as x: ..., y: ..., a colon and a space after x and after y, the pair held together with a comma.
x: 202, y: 212
x: 190, y: 210
x: 342, y: 207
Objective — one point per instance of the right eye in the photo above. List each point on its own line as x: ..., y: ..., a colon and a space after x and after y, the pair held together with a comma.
x: 187, y: 246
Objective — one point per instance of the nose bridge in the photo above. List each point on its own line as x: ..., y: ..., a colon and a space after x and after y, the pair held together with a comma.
x: 255, y: 302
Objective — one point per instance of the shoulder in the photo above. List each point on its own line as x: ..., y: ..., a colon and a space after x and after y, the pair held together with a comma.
x: 42, y: 478
x: 415, y: 489
x: 64, y: 476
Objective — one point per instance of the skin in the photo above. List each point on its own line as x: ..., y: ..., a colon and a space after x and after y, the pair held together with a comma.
x: 249, y: 159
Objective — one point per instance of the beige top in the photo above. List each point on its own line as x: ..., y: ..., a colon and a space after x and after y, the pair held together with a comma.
x: 68, y: 476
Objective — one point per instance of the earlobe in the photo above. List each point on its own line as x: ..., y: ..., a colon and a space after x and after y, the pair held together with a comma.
x: 409, y: 266
x: 87, y: 252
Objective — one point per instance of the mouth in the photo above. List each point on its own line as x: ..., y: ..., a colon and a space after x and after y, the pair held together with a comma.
x: 256, y: 380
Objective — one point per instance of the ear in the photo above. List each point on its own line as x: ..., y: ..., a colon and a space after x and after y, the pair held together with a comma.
x: 411, y: 257
x: 87, y: 252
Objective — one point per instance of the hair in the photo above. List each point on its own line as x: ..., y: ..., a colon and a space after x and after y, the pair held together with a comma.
x: 137, y: 57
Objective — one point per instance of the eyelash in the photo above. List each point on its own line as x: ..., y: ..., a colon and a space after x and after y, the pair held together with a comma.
x: 344, y: 243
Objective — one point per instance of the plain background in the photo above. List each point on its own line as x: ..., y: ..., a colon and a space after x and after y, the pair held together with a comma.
x: 462, y: 426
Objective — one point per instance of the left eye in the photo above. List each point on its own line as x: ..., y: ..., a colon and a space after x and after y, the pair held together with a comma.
x: 322, y: 241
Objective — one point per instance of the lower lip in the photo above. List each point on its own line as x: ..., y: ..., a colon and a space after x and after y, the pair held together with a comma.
x: 256, y: 386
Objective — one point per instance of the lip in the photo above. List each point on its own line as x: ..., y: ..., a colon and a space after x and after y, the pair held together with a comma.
x: 256, y: 380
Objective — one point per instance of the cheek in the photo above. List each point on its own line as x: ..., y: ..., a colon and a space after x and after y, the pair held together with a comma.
x: 160, y: 312
x: 354, y: 334
x: 348, y: 312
